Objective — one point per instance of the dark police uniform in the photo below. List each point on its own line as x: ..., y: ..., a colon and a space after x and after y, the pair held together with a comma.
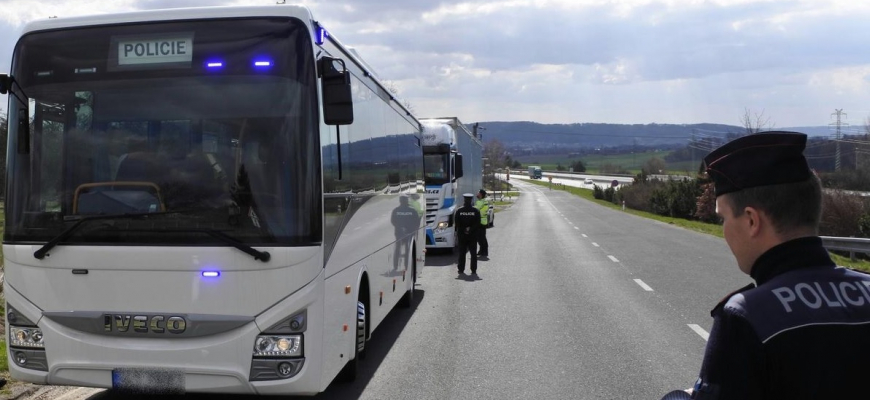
x: 467, y: 220
x: 801, y: 334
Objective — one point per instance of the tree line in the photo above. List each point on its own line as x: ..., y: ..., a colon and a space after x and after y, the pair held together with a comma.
x: 843, y: 214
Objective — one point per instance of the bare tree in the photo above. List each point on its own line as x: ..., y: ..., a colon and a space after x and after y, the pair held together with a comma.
x: 654, y: 165
x: 755, y: 122
x: 393, y: 88
x: 495, y: 152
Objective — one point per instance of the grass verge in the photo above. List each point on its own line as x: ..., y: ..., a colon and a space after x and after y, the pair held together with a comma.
x: 703, y: 227
x: 4, y: 361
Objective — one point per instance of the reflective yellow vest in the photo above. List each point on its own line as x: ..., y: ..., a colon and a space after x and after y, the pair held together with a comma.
x: 483, y: 206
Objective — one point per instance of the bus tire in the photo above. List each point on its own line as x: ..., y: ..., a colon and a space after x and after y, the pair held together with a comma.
x: 351, y: 370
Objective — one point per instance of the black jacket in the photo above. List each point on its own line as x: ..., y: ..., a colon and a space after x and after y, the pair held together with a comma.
x: 467, y: 220
x: 802, y: 333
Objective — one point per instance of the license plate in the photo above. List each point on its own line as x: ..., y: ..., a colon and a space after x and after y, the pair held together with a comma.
x: 148, y: 380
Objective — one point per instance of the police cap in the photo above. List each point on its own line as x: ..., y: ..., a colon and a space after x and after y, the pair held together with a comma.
x: 762, y: 159
x: 482, y: 192
x: 468, y: 195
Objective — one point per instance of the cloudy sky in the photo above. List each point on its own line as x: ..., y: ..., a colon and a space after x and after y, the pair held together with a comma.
x: 566, y: 61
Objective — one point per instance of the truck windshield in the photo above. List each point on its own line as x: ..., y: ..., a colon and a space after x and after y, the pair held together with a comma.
x: 437, y: 168
x: 210, y: 125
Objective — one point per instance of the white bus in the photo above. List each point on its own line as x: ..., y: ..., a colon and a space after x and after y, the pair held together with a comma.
x: 203, y: 200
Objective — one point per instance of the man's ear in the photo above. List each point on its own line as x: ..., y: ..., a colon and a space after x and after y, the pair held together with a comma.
x: 755, y: 221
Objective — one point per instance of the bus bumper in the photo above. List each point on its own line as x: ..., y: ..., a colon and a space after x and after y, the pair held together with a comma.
x: 219, y: 363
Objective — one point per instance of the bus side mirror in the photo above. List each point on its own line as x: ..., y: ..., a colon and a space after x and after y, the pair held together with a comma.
x: 335, y: 86
x: 5, y: 83
x: 458, y: 167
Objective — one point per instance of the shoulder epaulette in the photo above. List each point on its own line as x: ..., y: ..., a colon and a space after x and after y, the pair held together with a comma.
x: 728, y: 296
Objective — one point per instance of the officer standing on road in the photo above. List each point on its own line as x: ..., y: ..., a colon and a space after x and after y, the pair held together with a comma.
x: 801, y: 333
x: 467, y: 224
x: 483, y: 205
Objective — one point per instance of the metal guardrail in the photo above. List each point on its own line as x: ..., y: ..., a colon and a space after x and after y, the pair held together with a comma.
x: 852, y: 245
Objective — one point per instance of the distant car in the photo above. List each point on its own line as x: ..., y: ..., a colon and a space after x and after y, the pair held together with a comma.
x: 588, y: 181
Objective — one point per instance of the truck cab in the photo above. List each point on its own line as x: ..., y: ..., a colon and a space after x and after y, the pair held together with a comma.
x: 442, y: 166
x: 452, y: 166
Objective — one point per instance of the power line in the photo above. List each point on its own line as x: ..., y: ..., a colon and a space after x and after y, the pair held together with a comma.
x: 839, y: 113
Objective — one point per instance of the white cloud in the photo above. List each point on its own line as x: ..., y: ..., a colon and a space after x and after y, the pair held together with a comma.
x: 632, y: 61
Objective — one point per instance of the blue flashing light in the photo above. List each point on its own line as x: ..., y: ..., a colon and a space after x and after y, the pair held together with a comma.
x: 211, y: 274
x: 214, y: 64
x: 320, y: 35
x: 262, y: 64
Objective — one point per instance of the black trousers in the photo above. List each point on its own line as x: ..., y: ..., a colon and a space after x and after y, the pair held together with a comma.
x: 467, y: 244
x: 481, y: 240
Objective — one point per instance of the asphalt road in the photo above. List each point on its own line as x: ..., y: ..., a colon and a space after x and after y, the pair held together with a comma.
x: 576, y: 301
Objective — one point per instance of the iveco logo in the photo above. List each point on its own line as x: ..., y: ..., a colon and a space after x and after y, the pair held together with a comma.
x: 144, y: 323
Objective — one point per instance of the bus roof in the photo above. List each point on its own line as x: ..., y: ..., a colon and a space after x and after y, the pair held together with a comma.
x: 174, y: 14
x: 192, y: 13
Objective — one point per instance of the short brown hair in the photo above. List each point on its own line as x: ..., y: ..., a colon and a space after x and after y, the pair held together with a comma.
x: 789, y: 205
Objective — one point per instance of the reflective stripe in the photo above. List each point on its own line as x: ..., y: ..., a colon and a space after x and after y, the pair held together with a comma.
x: 483, y: 206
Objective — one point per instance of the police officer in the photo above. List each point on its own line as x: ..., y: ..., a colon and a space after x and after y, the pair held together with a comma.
x: 483, y: 206
x: 801, y: 331
x: 467, y: 224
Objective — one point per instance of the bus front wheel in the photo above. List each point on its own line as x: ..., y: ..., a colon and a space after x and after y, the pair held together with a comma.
x: 351, y: 369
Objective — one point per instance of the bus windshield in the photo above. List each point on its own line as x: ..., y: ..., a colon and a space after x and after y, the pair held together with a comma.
x: 211, y: 126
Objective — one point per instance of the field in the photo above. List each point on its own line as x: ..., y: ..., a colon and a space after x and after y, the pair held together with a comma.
x: 631, y: 162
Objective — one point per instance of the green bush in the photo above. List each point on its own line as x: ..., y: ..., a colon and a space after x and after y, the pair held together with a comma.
x: 683, y: 198
x: 864, y: 225
x: 668, y: 198
x: 608, y: 194
x: 597, y: 192
x: 639, y: 194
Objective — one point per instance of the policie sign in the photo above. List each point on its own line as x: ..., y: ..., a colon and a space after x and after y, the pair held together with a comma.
x: 170, y: 50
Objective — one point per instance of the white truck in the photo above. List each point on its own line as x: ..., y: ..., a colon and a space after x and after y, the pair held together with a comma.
x: 453, y: 165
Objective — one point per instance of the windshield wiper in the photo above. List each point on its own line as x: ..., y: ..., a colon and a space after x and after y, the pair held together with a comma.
x: 40, y: 254
x: 263, y: 256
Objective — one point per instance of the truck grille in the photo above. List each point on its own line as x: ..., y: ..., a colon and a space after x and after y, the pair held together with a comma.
x: 431, y: 209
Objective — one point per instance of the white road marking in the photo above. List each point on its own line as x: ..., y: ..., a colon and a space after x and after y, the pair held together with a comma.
x: 700, y: 331
x: 643, y: 285
x: 584, y: 235
x: 595, y: 244
x: 578, y: 228
x: 612, y: 258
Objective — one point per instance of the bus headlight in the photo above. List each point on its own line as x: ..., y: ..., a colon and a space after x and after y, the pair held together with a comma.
x: 26, y: 337
x: 278, y: 346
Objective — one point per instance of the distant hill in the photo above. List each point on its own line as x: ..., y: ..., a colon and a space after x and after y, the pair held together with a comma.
x: 533, y: 135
